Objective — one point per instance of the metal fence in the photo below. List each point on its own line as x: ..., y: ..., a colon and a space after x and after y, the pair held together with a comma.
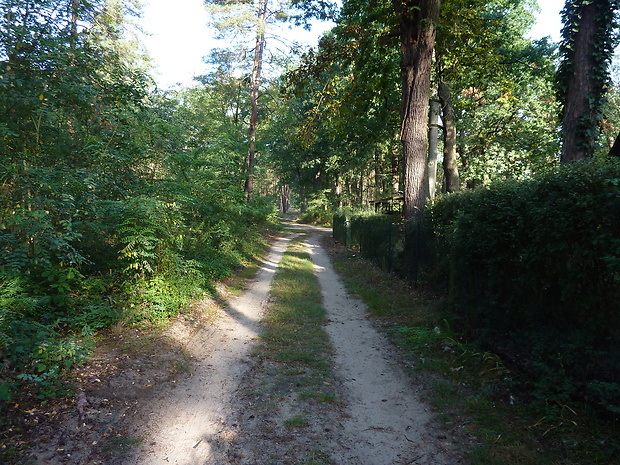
x: 388, y: 241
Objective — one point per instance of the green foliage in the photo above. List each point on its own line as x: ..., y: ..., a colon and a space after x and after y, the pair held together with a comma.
x: 602, y: 38
x: 147, y: 233
x: 379, y: 238
x: 319, y: 210
x: 343, y: 100
x: 503, y: 93
x: 35, y: 353
x: 49, y: 359
x: 534, y: 271
x: 116, y: 203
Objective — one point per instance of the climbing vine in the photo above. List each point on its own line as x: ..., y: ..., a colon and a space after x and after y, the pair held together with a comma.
x: 595, y: 23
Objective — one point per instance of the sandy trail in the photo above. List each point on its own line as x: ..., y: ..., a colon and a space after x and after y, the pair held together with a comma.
x: 383, y: 421
x: 386, y: 421
x: 190, y: 427
x: 213, y: 417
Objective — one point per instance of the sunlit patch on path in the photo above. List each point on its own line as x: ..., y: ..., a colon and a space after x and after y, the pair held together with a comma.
x: 189, y: 424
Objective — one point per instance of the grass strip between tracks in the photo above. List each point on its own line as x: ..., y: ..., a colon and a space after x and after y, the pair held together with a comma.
x: 293, y: 388
x: 295, y: 337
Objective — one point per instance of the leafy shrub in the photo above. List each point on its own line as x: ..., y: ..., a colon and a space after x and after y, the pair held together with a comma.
x: 319, y: 210
x: 534, y: 272
x: 34, y: 352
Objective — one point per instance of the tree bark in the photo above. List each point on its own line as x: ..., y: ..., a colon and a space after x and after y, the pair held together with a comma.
x: 450, y: 168
x: 396, y: 172
x: 361, y: 187
x: 379, y: 187
x: 614, y: 151
x: 417, y: 29
x: 285, y: 196
x: 580, y: 106
x: 254, y: 86
x: 75, y: 5
x: 338, y: 192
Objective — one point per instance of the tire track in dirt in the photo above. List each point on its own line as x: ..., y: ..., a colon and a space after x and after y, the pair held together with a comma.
x: 190, y: 425
x: 385, y: 421
x: 215, y: 416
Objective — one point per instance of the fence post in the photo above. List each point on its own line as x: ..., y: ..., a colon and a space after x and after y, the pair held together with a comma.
x: 390, y: 246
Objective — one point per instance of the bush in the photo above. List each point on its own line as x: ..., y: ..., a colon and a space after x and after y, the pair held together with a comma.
x: 319, y: 209
x: 378, y: 237
x: 534, y: 272
x: 139, y: 259
x: 34, y: 350
x: 530, y: 268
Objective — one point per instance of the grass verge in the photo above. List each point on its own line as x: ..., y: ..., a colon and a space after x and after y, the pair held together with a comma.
x: 292, y: 391
x: 295, y: 340
x: 480, y: 400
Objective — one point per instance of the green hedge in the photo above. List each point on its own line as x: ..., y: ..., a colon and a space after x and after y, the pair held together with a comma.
x: 539, y: 252
x: 378, y: 237
x: 535, y: 271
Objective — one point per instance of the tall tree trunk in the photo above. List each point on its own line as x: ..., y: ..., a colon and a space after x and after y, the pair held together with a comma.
x: 587, y: 48
x: 379, y: 188
x: 450, y: 169
x: 417, y: 29
x: 285, y: 196
x: 433, y: 136
x: 254, y: 85
x: 361, y: 187
x: 338, y: 192
x: 75, y: 5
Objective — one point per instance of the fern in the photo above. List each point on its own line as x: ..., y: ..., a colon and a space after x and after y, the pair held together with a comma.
x: 139, y: 251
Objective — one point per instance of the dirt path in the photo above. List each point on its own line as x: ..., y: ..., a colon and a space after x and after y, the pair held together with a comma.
x: 386, y: 421
x: 214, y: 416
x: 191, y: 426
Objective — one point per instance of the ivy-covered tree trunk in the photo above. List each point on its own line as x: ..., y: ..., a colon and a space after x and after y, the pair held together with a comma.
x: 587, y: 47
x: 417, y: 33
x: 254, y: 85
x: 450, y: 169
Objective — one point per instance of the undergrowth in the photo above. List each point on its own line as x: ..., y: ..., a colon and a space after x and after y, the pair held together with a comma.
x: 295, y: 338
x: 43, y: 346
x: 488, y: 406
